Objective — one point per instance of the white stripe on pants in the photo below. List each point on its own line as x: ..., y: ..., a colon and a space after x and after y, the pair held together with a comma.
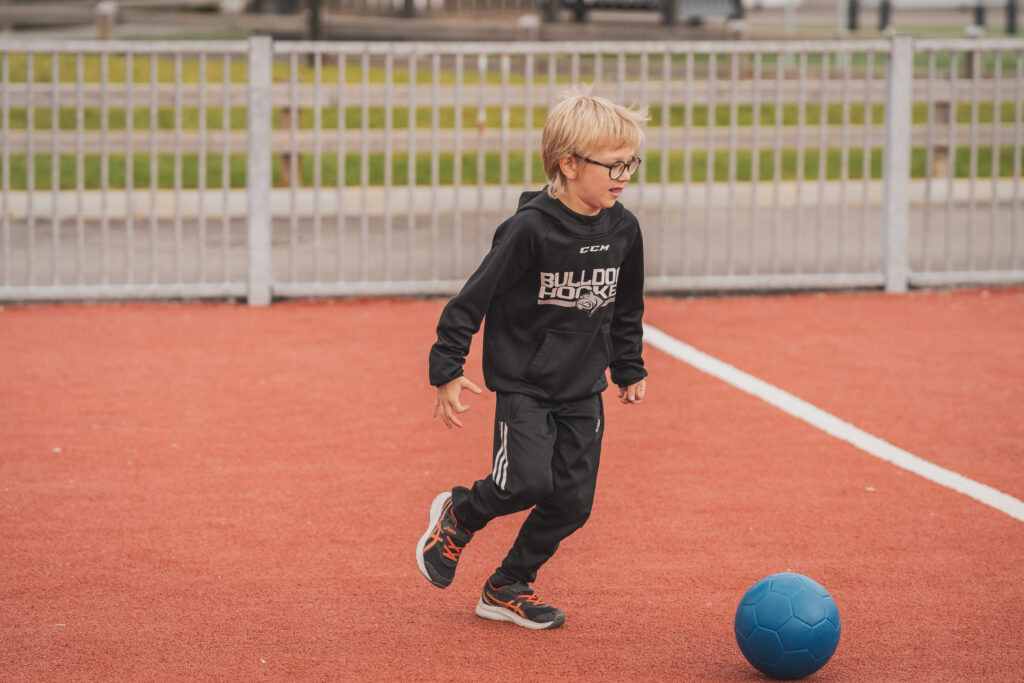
x: 500, y: 471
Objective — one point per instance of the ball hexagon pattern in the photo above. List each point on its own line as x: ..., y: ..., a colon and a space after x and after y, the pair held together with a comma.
x: 787, y: 626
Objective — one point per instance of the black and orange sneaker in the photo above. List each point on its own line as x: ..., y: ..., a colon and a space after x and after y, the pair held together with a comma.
x: 438, y: 551
x: 520, y: 605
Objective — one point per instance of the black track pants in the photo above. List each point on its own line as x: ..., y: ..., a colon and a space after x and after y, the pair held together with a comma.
x: 546, y: 456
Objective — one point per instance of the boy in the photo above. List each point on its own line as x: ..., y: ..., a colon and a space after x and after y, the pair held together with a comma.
x: 562, y: 292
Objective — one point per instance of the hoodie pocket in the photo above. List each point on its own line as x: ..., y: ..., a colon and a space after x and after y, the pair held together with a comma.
x: 570, y: 362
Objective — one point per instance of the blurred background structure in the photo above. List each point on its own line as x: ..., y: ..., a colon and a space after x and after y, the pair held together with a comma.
x: 212, y: 149
x: 504, y: 19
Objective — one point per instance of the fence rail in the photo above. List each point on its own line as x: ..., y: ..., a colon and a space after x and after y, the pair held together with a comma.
x: 276, y: 169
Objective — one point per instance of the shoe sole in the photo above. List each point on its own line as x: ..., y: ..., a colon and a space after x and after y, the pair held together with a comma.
x: 501, y: 614
x: 435, y: 515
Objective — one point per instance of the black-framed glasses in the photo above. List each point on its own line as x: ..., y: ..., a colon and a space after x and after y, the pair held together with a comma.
x: 617, y: 168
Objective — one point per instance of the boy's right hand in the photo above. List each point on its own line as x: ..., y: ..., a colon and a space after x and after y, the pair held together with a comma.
x: 447, y: 403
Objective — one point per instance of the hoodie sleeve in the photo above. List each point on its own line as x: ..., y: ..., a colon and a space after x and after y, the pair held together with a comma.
x: 510, y: 255
x: 627, y: 366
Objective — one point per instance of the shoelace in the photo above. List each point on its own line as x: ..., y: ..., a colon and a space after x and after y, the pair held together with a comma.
x: 452, y: 550
x: 531, y: 598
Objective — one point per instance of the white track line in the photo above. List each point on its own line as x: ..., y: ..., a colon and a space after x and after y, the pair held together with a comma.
x: 833, y: 425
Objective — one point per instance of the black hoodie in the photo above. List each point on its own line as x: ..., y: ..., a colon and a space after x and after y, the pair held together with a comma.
x: 563, y: 297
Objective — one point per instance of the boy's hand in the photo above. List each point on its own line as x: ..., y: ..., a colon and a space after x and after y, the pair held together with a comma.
x: 447, y: 403
x: 634, y: 393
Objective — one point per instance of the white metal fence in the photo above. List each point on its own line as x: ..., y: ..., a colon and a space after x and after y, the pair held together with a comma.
x: 263, y: 169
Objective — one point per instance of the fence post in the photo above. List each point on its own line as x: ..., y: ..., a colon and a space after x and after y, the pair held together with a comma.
x: 896, y: 160
x: 106, y: 19
x: 257, y: 172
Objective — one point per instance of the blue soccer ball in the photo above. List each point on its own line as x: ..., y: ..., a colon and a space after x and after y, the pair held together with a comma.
x: 787, y: 626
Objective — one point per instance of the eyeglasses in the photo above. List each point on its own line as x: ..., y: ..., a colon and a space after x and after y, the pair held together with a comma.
x: 617, y: 168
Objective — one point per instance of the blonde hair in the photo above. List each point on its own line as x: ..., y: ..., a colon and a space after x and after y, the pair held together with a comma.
x: 583, y: 122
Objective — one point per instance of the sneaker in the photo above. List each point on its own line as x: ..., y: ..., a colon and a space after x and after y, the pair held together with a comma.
x: 438, y: 551
x: 520, y: 605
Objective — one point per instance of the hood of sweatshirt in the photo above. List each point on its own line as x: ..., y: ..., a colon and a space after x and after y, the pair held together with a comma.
x: 567, y: 219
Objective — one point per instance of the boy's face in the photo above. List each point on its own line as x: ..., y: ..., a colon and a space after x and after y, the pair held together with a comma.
x: 589, y: 187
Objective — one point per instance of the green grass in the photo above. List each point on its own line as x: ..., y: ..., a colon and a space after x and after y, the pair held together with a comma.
x: 92, y: 118
x: 141, y: 66
x: 675, y: 116
x: 92, y: 166
x: 92, y: 66
x: 376, y: 116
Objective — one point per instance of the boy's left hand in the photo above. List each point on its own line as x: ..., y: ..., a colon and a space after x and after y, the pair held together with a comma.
x: 634, y: 393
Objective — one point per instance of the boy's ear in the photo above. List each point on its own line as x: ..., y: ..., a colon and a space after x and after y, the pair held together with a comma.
x: 569, y: 166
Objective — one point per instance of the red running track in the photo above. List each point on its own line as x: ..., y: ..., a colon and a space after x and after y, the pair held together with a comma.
x: 216, y: 492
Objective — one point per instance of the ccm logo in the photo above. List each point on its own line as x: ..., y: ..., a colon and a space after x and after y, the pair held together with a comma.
x: 596, y: 247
